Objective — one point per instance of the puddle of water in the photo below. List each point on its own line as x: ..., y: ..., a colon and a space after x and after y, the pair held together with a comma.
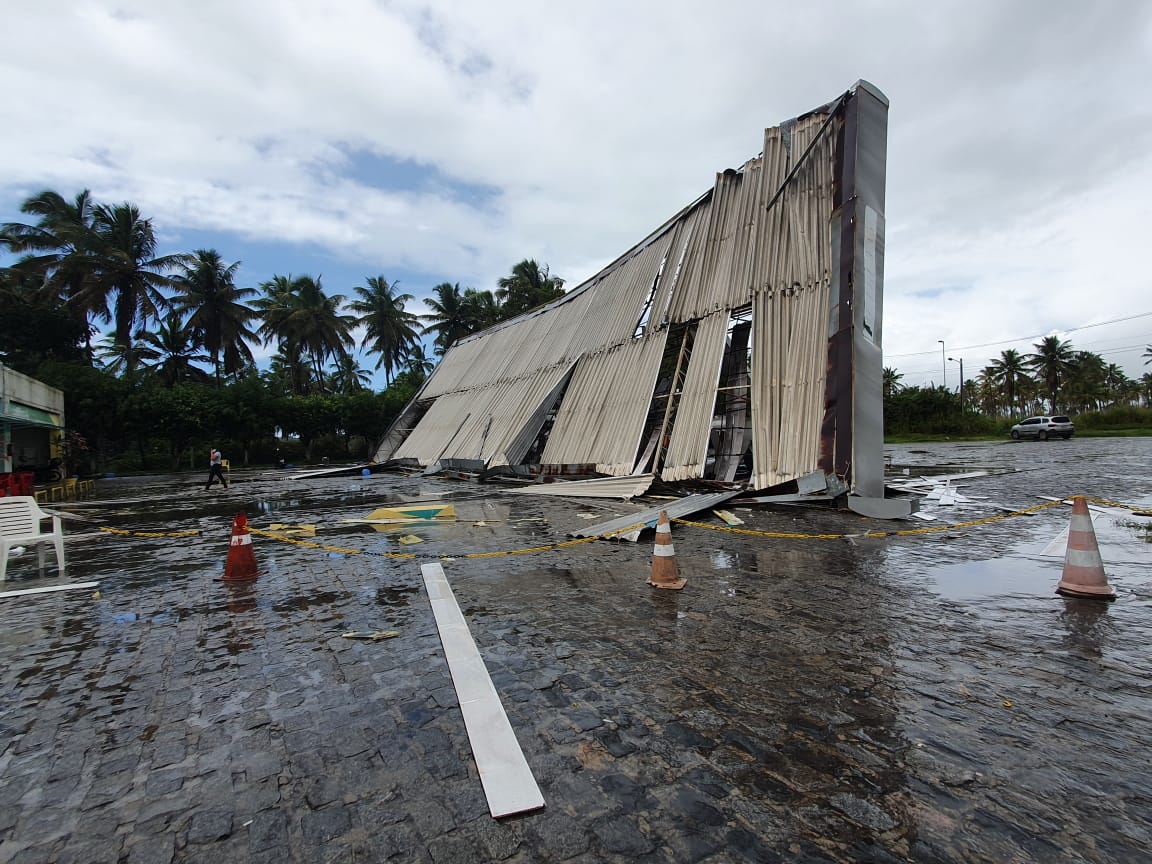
x: 269, y: 506
x: 997, y: 577
x: 1141, y: 530
x: 242, y: 598
x: 1120, y: 541
x: 1087, y: 625
x: 723, y: 560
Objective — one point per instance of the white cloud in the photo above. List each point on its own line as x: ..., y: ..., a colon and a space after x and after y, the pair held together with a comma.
x: 1017, y: 144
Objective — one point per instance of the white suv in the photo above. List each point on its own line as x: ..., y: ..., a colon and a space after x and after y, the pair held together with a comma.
x: 1043, y: 428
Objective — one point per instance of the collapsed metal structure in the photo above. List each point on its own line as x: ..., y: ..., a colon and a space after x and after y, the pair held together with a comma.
x: 739, y: 341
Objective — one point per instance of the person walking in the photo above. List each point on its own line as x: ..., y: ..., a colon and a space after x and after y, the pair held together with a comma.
x: 215, y: 469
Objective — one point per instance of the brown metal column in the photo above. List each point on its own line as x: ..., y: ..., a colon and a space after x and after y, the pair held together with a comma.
x: 852, y: 431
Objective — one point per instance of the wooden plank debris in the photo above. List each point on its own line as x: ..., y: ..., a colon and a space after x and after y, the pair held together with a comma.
x: 728, y: 518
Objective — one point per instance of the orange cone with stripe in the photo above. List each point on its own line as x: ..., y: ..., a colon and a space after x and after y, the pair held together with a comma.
x: 1083, y: 568
x: 241, y: 564
x: 665, y: 574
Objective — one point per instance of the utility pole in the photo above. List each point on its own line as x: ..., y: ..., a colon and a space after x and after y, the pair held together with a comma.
x: 960, y: 389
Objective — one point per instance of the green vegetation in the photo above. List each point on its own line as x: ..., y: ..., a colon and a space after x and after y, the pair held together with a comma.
x: 154, y: 353
x: 1055, y: 379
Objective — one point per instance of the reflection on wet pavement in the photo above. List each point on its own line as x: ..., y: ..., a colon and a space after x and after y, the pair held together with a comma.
x: 997, y: 576
x: 924, y: 698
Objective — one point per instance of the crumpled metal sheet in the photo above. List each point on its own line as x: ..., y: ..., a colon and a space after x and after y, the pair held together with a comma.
x: 648, y: 518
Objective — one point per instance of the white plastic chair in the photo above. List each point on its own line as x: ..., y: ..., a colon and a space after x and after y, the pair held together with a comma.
x: 21, y: 524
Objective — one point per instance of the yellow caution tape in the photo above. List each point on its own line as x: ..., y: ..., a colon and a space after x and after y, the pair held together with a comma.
x: 411, y: 556
x: 122, y: 533
x: 532, y: 550
x: 908, y: 532
x: 1103, y: 502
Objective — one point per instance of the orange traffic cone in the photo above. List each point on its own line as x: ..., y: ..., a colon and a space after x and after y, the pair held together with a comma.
x: 664, y: 571
x: 1083, y: 569
x: 241, y: 564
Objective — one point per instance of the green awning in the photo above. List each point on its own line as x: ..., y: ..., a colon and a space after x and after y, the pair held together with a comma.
x: 27, y: 415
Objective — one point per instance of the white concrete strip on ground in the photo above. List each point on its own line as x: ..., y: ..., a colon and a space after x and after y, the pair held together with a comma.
x: 48, y: 588
x: 504, y: 772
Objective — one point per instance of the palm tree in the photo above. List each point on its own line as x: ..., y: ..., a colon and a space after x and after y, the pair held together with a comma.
x: 1147, y: 353
x: 481, y: 309
x: 62, y: 256
x: 171, y: 351
x: 415, y: 360
x: 1008, y: 371
x: 1117, y: 384
x: 448, y: 316
x: 35, y: 326
x: 275, y: 308
x: 288, y: 373
x: 304, y: 321
x: 1050, y: 364
x: 989, y: 391
x: 127, y: 268
x: 112, y: 355
x: 322, y: 330
x: 346, y: 376
x: 219, y: 318
x: 892, y: 384
x: 969, y: 394
x: 389, y: 329
x: 1029, y: 396
x: 1083, y: 384
x: 529, y: 286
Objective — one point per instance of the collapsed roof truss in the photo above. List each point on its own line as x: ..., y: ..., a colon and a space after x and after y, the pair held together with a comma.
x: 793, y: 240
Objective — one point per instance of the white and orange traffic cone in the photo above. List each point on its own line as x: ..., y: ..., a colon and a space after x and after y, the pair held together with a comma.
x: 241, y: 564
x: 665, y: 574
x: 1083, y: 569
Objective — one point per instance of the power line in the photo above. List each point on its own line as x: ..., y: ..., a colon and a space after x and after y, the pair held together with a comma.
x: 936, y: 369
x: 1025, y: 338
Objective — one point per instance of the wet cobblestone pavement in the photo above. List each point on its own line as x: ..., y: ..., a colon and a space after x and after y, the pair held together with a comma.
x: 906, y: 698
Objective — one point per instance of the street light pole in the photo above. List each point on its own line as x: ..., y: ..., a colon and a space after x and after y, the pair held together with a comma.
x: 943, y: 363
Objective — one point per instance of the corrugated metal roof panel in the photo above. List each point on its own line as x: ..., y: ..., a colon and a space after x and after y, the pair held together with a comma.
x: 436, y: 429
x: 602, y: 415
x: 648, y: 518
x: 688, y: 446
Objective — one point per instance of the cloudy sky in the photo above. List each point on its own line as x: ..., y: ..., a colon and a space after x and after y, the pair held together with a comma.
x: 447, y: 141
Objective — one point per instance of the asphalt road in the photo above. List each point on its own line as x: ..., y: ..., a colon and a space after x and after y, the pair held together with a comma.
x: 916, y: 697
